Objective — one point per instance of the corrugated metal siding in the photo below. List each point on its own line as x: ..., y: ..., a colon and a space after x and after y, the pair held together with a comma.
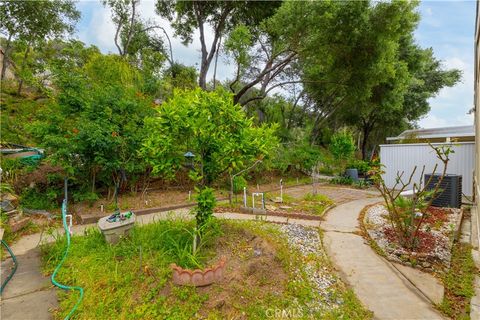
x: 404, y: 157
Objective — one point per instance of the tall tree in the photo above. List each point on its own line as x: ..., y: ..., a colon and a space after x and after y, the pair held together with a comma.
x: 221, y: 16
x: 414, y: 75
x: 35, y: 22
x: 141, y: 41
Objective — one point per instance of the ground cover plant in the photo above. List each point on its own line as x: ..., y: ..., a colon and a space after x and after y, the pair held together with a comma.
x: 132, y: 279
x: 459, y: 283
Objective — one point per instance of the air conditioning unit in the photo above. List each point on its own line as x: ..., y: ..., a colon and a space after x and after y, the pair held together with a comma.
x: 451, y: 190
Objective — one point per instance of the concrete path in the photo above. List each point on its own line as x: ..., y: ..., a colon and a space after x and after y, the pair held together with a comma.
x: 28, y: 295
x: 376, y: 282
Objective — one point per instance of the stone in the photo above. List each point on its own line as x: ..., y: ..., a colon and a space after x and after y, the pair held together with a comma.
x: 19, y: 224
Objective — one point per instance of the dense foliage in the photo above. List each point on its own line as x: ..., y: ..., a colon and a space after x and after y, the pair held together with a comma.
x: 94, y: 126
x: 305, y: 74
x: 218, y: 133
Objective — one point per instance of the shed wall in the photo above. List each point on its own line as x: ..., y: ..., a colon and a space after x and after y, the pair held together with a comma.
x: 404, y: 157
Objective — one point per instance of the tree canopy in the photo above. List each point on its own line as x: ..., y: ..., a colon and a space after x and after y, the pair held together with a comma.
x: 210, y: 126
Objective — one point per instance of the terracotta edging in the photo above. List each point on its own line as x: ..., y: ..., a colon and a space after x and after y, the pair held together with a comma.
x: 197, y: 277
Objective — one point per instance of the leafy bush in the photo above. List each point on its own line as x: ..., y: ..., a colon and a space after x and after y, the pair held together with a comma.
x: 33, y: 199
x: 361, y: 165
x: 205, y: 204
x: 342, y: 180
x: 94, y: 126
x: 342, y: 145
x: 302, y: 157
x: 238, y: 184
x: 87, y: 196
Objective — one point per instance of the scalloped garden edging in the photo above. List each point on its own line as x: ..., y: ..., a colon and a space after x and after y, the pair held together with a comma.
x: 197, y: 277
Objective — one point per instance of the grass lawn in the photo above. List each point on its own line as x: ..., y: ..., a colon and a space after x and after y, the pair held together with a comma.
x: 132, y: 279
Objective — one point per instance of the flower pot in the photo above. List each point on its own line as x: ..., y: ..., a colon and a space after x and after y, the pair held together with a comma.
x: 197, y: 277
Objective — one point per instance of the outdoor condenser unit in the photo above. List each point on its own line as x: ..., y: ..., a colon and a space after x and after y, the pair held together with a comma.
x: 451, y: 190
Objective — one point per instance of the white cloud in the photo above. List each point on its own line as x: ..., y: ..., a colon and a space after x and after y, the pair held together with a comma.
x: 100, y: 30
x: 432, y: 121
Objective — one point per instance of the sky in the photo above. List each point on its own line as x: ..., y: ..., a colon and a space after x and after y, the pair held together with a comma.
x: 446, y: 26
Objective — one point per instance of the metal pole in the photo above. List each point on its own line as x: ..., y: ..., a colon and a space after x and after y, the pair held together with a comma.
x: 245, y: 197
x: 65, y: 189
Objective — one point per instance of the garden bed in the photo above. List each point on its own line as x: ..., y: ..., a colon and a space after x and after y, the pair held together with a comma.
x: 308, y: 206
x: 269, y: 268
x: 433, y: 252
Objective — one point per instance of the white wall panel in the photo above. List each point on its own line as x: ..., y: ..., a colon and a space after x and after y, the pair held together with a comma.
x: 404, y: 157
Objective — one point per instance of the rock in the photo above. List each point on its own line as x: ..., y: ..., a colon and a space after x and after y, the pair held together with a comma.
x: 18, y: 224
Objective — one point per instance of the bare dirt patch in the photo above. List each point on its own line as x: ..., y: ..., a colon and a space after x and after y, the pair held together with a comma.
x: 253, y: 271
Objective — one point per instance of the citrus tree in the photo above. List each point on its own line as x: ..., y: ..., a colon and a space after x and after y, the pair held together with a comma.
x: 209, y: 125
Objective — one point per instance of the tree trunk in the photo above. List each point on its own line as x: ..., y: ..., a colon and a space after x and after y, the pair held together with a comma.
x: 6, y: 56
x: 216, y: 62
x: 366, y: 134
x: 20, y: 83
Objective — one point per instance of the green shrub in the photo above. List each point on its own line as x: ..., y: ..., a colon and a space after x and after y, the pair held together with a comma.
x: 205, y: 204
x: 239, y: 183
x: 361, y: 165
x: 342, y: 145
x: 87, y: 196
x: 33, y: 199
x: 302, y: 157
x: 342, y: 180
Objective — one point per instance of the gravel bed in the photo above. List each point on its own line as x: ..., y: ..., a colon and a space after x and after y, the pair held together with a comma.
x: 376, y: 223
x: 307, y: 241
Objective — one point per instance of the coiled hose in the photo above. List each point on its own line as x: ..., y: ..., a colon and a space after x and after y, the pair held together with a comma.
x: 4, y: 284
x: 61, y: 286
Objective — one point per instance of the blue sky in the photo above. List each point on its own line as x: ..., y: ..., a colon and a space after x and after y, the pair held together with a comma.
x: 446, y: 26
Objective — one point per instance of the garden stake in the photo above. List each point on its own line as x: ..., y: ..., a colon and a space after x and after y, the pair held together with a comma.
x: 245, y: 197
x: 281, y: 190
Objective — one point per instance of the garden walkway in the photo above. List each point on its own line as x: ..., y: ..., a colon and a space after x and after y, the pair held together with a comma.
x: 379, y: 285
x: 29, y: 294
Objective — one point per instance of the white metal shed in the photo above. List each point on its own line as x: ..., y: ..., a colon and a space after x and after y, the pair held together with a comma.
x: 404, y: 157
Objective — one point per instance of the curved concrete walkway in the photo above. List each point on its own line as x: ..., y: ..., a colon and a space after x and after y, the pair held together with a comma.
x: 378, y: 285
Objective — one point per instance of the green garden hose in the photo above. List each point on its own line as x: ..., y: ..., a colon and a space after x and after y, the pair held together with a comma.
x: 61, y: 286
x: 4, y: 284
